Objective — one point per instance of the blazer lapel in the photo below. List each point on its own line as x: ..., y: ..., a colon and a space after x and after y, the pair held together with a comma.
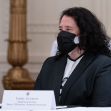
x: 85, y: 61
x: 58, y: 74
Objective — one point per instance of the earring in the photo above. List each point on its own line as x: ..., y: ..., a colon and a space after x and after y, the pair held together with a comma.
x: 76, y: 40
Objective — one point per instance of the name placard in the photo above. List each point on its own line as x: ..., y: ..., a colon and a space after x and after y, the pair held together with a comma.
x: 28, y: 100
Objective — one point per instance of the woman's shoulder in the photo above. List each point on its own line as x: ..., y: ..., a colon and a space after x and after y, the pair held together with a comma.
x: 51, y: 59
x: 55, y: 59
x: 103, y: 59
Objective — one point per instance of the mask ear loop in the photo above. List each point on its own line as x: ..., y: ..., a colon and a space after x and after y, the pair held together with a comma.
x: 76, y: 40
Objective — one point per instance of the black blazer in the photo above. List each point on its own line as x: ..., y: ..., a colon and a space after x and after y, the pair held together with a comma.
x: 88, y: 85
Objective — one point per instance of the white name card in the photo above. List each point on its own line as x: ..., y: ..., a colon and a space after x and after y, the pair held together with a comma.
x: 28, y: 100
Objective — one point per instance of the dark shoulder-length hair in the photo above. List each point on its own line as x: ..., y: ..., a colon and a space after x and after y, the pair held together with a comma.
x: 93, y: 37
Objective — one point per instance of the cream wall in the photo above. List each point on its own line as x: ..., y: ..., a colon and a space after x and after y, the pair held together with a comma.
x: 43, y: 21
x: 42, y: 28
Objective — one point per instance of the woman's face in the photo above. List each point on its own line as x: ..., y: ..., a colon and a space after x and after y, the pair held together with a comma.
x: 68, y: 24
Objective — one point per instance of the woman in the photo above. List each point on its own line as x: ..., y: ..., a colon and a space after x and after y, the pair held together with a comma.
x: 80, y: 73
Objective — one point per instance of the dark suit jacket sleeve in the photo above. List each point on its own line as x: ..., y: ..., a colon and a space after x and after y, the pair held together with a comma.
x: 43, y: 76
x: 101, y: 95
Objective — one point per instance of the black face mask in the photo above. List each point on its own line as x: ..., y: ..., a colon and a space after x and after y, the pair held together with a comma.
x: 66, y: 42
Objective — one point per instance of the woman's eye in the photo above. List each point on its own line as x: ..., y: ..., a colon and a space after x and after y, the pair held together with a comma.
x: 60, y: 29
x: 68, y: 29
